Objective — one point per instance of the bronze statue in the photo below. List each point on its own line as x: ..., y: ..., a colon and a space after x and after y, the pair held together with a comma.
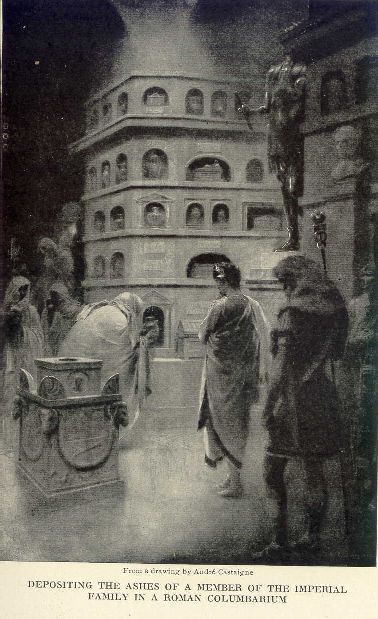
x: 284, y: 104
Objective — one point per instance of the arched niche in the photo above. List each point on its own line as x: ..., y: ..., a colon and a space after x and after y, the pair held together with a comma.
x: 254, y: 171
x: 121, y: 168
x: 194, y: 102
x: 333, y: 92
x: 99, y: 222
x: 220, y: 215
x: 262, y: 217
x: 195, y: 215
x: 155, y: 164
x: 155, y: 97
x: 98, y: 267
x: 92, y: 179
x: 154, y: 316
x: 122, y: 104
x: 105, y: 174
x: 155, y: 215
x: 205, y: 169
x: 219, y: 103
x: 201, y: 266
x: 93, y: 119
x: 154, y: 299
x: 117, y: 266
x: 106, y: 112
x: 117, y: 218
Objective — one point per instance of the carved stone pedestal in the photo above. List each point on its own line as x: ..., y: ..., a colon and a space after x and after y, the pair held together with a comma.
x: 346, y: 207
x: 69, y: 426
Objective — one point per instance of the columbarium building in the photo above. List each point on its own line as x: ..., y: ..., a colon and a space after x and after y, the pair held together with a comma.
x: 176, y: 181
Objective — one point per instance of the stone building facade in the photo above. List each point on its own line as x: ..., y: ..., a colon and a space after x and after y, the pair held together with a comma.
x: 176, y: 181
x: 341, y: 50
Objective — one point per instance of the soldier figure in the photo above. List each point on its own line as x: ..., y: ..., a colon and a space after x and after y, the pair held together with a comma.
x: 301, y: 411
x: 284, y: 103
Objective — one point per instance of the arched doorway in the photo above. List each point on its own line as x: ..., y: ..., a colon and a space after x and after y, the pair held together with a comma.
x: 155, y: 313
x: 202, y: 266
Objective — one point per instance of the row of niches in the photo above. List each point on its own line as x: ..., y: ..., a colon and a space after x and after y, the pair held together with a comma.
x: 335, y: 95
x: 200, y: 266
x: 155, y: 215
x: 155, y: 167
x: 116, y: 268
x: 337, y: 92
x: 157, y: 99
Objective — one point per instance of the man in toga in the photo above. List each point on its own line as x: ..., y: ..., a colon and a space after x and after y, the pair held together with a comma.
x: 230, y: 382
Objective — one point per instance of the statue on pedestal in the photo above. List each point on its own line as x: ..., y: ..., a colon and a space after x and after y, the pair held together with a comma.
x: 155, y: 216
x: 284, y: 104
x: 154, y: 164
x: 195, y: 215
x: 56, y: 255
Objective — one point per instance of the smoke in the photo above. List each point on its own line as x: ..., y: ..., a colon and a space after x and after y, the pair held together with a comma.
x: 212, y: 38
x: 163, y: 40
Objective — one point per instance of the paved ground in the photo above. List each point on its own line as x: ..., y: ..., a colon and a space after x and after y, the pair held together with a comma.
x: 169, y: 510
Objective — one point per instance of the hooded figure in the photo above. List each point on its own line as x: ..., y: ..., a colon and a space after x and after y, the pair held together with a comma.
x: 57, y: 266
x: 58, y: 317
x: 110, y: 331
x: 23, y: 342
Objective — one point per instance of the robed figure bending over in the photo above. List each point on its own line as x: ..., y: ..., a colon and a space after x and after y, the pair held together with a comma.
x: 110, y: 331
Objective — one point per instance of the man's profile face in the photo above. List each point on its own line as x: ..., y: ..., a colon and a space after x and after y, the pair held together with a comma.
x: 289, y: 286
x: 54, y: 298
x: 222, y: 286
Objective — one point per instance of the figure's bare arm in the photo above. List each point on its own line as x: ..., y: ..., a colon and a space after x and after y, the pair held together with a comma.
x: 277, y: 377
x: 282, y: 362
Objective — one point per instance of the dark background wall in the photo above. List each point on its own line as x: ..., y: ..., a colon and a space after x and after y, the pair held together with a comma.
x: 53, y: 51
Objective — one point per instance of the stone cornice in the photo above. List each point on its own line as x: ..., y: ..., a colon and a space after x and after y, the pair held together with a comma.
x: 331, y: 121
x: 161, y: 282
x: 148, y: 233
x: 314, y: 39
x: 190, y: 185
x: 104, y: 92
x: 157, y: 122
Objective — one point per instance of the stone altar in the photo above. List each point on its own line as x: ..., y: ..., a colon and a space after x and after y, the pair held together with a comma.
x: 69, y: 425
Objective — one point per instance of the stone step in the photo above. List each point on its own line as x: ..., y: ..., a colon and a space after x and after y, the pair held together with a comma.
x: 163, y: 353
